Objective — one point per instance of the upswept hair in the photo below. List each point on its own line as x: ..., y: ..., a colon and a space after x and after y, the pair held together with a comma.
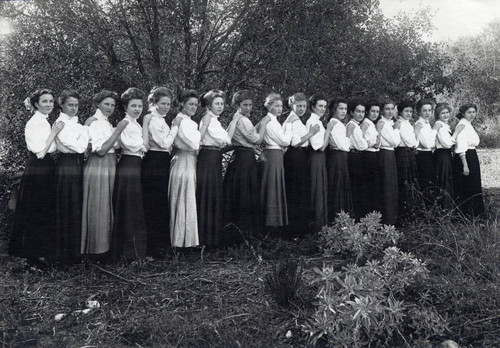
x: 99, y: 97
x: 241, y: 95
x: 271, y: 99
x: 67, y: 93
x: 423, y: 102
x: 315, y: 98
x: 297, y: 97
x: 440, y: 107
x: 35, y: 96
x: 157, y: 93
x: 405, y: 104
x: 464, y: 108
x: 209, y: 97
x: 131, y: 93
x: 353, y: 104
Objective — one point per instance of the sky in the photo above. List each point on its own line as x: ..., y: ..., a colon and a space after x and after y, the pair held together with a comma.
x: 452, y: 18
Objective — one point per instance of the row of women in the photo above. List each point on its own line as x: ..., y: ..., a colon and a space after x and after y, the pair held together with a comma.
x: 167, y: 189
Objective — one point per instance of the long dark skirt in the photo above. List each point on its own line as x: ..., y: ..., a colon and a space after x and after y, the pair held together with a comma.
x: 407, y: 180
x: 209, y: 196
x: 444, y: 177
x: 358, y: 183
x: 339, y: 184
x: 425, y: 170
x: 155, y: 175
x: 468, y: 189
x: 69, y: 177
x: 129, y: 233
x: 272, y: 189
x: 319, y: 188
x: 298, y: 191
x: 389, y: 197
x: 373, y: 177
x: 33, y: 229
x: 241, y: 193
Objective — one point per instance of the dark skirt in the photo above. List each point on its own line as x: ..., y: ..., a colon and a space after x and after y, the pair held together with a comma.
x: 209, y: 196
x: 129, y: 233
x: 69, y: 177
x: 389, y: 197
x: 339, y: 184
x: 33, y: 229
x: 444, y: 177
x: 407, y: 180
x: 373, y: 177
x: 298, y: 192
x: 358, y: 183
x: 155, y: 175
x: 319, y: 188
x: 272, y: 189
x: 241, y: 193
x: 468, y: 189
x: 425, y: 170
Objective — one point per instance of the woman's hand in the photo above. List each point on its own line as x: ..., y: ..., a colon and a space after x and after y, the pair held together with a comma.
x: 314, y: 129
x: 89, y: 121
x: 57, y: 127
x: 466, y: 171
x: 177, y: 121
x: 121, y: 125
x: 437, y: 126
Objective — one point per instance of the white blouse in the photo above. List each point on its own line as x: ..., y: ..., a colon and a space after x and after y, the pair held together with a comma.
x: 275, y: 137
x: 188, y: 137
x: 356, y: 137
x: 299, y: 130
x: 370, y: 134
x: 245, y: 133
x: 338, y: 137
x: 467, y: 139
x: 389, y: 137
x: 426, y: 136
x: 73, y: 138
x: 316, y: 140
x: 130, y: 138
x: 444, y: 140
x: 215, y: 134
x: 407, y: 134
x: 36, y: 132
x: 161, y: 137
x: 100, y: 131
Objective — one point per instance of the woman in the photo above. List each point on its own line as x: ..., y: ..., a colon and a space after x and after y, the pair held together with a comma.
x: 34, y: 221
x: 339, y: 185
x: 182, y: 182
x: 272, y: 190
x: 371, y: 161
x: 71, y: 142
x: 209, y: 170
x: 405, y: 160
x: 466, y: 170
x: 295, y: 162
x: 426, y: 138
x: 443, y: 176
x: 358, y: 144
x: 240, y: 186
x: 99, y: 177
x: 156, y: 169
x: 389, y: 139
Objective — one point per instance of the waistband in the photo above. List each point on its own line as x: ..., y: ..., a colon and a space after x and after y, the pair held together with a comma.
x: 130, y: 153
x: 208, y: 147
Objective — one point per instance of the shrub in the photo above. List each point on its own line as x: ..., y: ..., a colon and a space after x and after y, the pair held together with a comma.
x: 284, y: 281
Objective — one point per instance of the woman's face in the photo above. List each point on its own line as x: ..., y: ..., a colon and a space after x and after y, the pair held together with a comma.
x: 407, y: 113
x: 341, y: 111
x: 388, y: 111
x: 300, y: 108
x: 217, y: 106
x: 358, y: 113
x: 70, y: 106
x: 277, y: 108
x: 374, y: 112
x: 107, y: 106
x: 426, y: 111
x: 163, y: 105
x: 190, y: 106
x: 444, y: 116
x: 470, y: 114
x: 134, y: 108
x: 45, y: 104
x: 246, y: 107
x: 320, y: 108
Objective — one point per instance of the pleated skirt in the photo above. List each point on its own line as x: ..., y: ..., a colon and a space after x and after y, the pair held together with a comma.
x: 69, y: 178
x: 319, y: 188
x: 209, y: 196
x: 33, y: 229
x: 298, y: 189
x: 468, y: 189
x: 373, y: 188
x: 339, y: 184
x: 443, y: 178
x: 358, y: 182
x: 182, y: 199
x: 407, y: 179
x: 425, y: 170
x: 129, y: 232
x: 272, y: 189
x: 97, y: 210
x: 389, y: 175
x: 155, y: 175
x: 241, y: 191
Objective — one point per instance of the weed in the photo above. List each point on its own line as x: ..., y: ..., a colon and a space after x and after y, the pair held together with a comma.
x: 284, y: 281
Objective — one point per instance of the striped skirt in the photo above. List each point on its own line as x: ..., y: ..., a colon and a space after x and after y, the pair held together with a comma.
x: 272, y: 189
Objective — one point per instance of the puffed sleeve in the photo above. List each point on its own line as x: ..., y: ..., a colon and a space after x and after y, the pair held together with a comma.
x: 445, y: 138
x: 339, y: 138
x: 296, y: 133
x: 317, y: 139
x: 161, y: 134
x: 276, y: 133
x: 357, y: 140
x: 36, y: 133
x: 426, y: 137
x: 390, y: 135
x: 462, y: 142
x: 189, y: 134
x: 131, y: 138
x: 408, y: 136
x: 75, y: 137
x: 246, y: 128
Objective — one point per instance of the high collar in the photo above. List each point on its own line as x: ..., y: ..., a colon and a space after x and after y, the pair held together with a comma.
x: 100, y: 116
x: 314, y: 116
x: 423, y: 120
x: 130, y: 118
x: 66, y: 117
x: 155, y: 113
x: 39, y: 114
x: 209, y: 112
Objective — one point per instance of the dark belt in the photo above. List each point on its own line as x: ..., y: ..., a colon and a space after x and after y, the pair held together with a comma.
x: 207, y: 147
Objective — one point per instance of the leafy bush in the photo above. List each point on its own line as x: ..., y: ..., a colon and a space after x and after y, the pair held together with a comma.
x: 284, y: 281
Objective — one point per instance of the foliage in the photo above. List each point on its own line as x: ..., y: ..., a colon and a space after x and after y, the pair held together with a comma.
x: 284, y: 281
x: 363, y: 239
